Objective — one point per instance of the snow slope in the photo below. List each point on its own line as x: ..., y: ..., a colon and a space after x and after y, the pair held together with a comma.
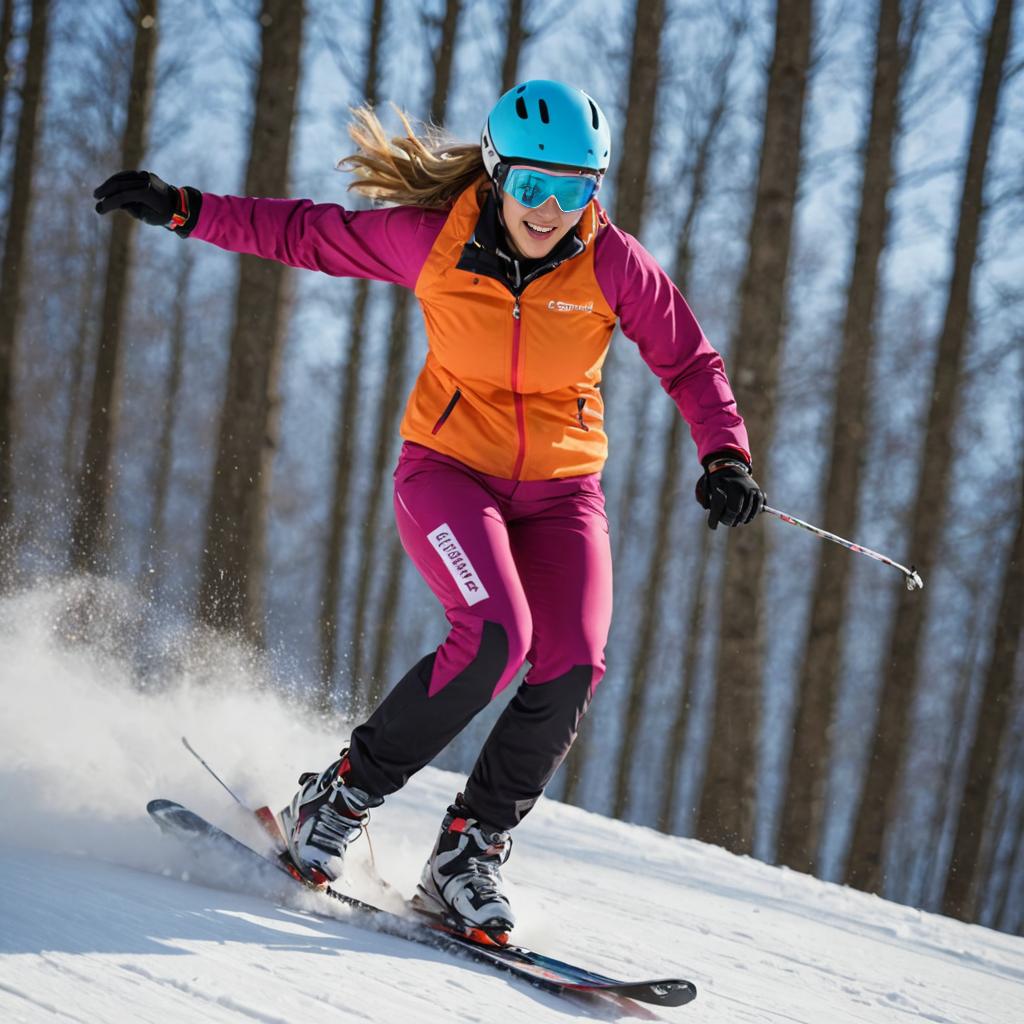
x: 104, y: 919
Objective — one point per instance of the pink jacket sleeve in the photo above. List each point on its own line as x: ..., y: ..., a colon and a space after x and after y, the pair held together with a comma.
x: 384, y: 245
x: 655, y: 316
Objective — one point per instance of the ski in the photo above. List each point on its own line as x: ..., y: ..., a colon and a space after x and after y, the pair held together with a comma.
x: 542, y: 971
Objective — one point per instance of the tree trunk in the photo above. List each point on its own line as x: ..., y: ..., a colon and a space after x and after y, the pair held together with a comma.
x: 88, y: 531
x: 644, y: 648
x: 394, y: 391
x: 946, y: 759
x: 164, y: 467
x: 631, y: 184
x: 1001, y: 918
x: 349, y: 401
x: 1002, y: 911
x: 641, y: 429
x: 516, y: 35
x: 231, y: 587
x: 660, y: 558
x: 633, y: 177
x: 388, y: 409
x: 444, y: 59
x: 878, y: 804
x: 999, y: 849
x: 389, y: 619
x: 804, y: 808
x: 631, y: 188
x: 964, y: 882
x: 79, y: 357
x: 6, y: 33
x: 677, y: 733
x: 12, y: 267
x: 726, y: 814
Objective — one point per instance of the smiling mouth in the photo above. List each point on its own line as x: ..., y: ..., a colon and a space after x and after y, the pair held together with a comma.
x: 537, y: 229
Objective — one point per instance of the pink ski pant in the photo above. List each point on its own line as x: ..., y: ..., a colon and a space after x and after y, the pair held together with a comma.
x: 523, y: 570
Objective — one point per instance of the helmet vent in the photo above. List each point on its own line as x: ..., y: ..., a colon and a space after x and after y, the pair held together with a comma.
x: 595, y: 118
x: 521, y: 109
x: 544, y: 112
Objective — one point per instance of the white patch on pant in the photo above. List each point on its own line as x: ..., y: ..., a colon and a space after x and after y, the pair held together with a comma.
x: 458, y: 564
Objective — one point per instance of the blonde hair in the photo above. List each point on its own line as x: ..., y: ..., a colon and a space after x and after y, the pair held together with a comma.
x: 429, y: 169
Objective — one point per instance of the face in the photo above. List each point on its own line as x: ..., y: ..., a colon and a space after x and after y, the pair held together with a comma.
x: 534, y: 233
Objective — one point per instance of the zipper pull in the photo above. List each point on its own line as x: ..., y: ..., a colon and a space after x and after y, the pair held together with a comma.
x: 515, y: 309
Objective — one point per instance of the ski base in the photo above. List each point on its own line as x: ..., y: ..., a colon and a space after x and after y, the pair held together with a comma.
x: 542, y: 971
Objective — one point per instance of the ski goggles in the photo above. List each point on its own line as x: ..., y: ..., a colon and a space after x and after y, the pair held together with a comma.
x: 533, y: 187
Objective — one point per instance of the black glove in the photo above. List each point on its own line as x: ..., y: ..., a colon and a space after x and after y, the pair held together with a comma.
x: 148, y: 198
x: 728, y: 491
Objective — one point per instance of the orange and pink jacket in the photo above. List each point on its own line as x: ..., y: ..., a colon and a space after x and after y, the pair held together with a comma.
x: 509, y: 385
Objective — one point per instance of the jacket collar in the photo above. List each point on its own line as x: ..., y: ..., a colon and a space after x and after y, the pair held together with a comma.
x: 487, y: 251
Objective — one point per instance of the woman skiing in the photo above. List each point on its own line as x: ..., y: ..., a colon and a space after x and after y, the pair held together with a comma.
x: 521, y: 277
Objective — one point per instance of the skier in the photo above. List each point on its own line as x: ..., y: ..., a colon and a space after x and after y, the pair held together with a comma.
x: 521, y: 277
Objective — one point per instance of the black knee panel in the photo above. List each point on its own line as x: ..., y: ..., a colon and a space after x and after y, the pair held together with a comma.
x: 527, y: 744
x: 410, y: 728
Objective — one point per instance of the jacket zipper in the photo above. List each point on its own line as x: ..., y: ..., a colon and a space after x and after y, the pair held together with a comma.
x: 517, y: 398
x: 447, y: 410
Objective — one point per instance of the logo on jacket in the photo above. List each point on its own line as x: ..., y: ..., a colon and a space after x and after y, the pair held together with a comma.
x: 570, y: 307
x: 458, y: 564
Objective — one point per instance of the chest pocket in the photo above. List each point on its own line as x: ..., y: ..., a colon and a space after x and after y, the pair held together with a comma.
x: 469, y: 327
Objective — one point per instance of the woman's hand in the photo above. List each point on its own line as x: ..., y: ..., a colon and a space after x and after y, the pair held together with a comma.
x: 150, y: 199
x: 728, y: 491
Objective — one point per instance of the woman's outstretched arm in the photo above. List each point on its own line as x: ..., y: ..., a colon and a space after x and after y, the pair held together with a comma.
x: 383, y: 244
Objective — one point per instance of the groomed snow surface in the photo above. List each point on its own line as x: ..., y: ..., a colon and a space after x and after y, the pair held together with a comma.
x: 104, y: 919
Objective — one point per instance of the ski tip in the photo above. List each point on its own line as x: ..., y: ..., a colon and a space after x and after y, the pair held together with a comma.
x: 660, y: 992
x: 168, y: 814
x: 675, y: 993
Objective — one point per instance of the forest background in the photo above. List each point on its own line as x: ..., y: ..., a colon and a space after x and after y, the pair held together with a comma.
x: 197, y: 445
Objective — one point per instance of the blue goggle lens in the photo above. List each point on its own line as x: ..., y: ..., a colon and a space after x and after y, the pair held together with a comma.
x: 533, y: 188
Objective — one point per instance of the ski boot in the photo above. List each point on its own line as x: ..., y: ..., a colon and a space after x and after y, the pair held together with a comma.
x: 324, y: 817
x: 461, y: 882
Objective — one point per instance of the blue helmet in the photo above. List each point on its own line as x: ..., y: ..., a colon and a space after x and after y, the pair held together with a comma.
x: 546, y: 122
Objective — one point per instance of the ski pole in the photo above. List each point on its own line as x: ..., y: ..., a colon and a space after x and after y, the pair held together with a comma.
x: 195, y: 754
x: 913, y: 578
